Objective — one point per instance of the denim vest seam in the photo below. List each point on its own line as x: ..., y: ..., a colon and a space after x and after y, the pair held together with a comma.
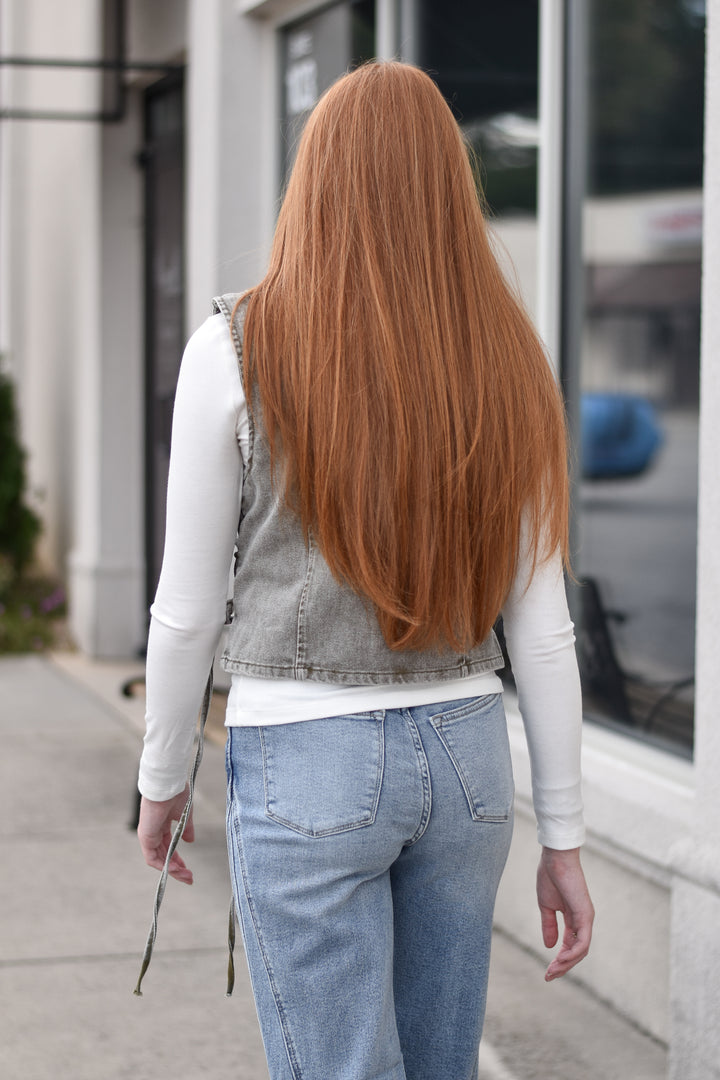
x: 225, y: 305
x: 361, y: 676
x: 300, y: 637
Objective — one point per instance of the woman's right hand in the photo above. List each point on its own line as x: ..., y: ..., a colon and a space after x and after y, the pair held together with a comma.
x: 561, y: 887
x: 155, y: 830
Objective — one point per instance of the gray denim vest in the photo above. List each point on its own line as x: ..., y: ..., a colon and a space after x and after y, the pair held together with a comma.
x: 291, y: 618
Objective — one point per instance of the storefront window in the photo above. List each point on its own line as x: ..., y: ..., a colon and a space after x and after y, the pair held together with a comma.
x: 636, y: 372
x: 637, y: 511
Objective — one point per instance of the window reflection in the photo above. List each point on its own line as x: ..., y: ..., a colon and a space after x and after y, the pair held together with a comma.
x: 640, y: 364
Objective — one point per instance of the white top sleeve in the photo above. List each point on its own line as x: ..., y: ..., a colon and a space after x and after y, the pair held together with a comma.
x: 203, y: 511
x: 540, y: 642
x: 210, y: 435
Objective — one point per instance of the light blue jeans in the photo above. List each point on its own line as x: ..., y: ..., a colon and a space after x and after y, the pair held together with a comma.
x: 366, y: 853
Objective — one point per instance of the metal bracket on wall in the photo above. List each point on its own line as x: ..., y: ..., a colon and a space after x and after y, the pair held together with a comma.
x: 111, y: 66
x: 104, y: 115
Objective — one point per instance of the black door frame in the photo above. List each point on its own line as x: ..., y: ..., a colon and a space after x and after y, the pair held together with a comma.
x: 158, y: 412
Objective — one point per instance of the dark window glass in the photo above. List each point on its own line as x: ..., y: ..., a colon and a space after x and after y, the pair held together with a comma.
x: 647, y: 73
x: 639, y: 367
x: 484, y: 58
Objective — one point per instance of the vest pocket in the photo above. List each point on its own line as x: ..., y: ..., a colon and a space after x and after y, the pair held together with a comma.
x: 323, y: 777
x: 476, y: 740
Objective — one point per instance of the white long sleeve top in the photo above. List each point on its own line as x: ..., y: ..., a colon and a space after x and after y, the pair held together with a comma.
x: 209, y: 439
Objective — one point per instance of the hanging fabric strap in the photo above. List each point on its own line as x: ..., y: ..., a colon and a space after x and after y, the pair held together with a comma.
x: 179, y: 829
x: 231, y: 950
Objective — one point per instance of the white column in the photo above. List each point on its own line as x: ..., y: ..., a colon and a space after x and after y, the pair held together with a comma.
x: 695, y: 945
x: 550, y: 174
x: 386, y: 38
x: 107, y: 561
x: 203, y: 156
x: 409, y: 31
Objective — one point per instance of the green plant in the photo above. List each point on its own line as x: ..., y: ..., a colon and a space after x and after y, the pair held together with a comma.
x: 19, y: 526
x: 29, y: 610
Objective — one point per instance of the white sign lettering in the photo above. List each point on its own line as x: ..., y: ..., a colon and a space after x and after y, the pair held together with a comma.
x: 301, y: 81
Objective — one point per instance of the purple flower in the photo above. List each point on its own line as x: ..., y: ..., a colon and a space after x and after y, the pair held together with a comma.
x: 26, y: 611
x: 55, y: 600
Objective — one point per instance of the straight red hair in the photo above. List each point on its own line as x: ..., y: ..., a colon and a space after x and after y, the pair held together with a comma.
x: 405, y: 394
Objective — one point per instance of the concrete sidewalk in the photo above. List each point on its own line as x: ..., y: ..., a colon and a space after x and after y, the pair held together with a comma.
x: 76, y: 900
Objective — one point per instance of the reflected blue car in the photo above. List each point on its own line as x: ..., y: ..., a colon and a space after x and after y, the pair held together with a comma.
x: 621, y: 435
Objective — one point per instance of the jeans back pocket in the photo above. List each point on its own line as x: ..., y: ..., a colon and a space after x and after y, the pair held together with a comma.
x: 476, y: 740
x: 324, y: 776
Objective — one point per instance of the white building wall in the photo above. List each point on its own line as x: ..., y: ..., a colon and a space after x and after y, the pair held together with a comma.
x: 106, y: 562
x: 248, y: 175
x: 232, y: 179
x: 157, y: 30
x: 72, y: 307
x: 50, y: 251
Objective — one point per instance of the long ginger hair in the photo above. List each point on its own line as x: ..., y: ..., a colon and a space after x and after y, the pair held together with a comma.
x: 413, y: 420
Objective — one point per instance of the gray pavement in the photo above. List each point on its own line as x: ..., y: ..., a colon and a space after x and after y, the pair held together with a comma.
x: 75, y: 904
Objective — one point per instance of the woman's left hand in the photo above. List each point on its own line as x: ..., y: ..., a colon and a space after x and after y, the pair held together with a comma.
x: 155, y: 831
x: 561, y: 888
